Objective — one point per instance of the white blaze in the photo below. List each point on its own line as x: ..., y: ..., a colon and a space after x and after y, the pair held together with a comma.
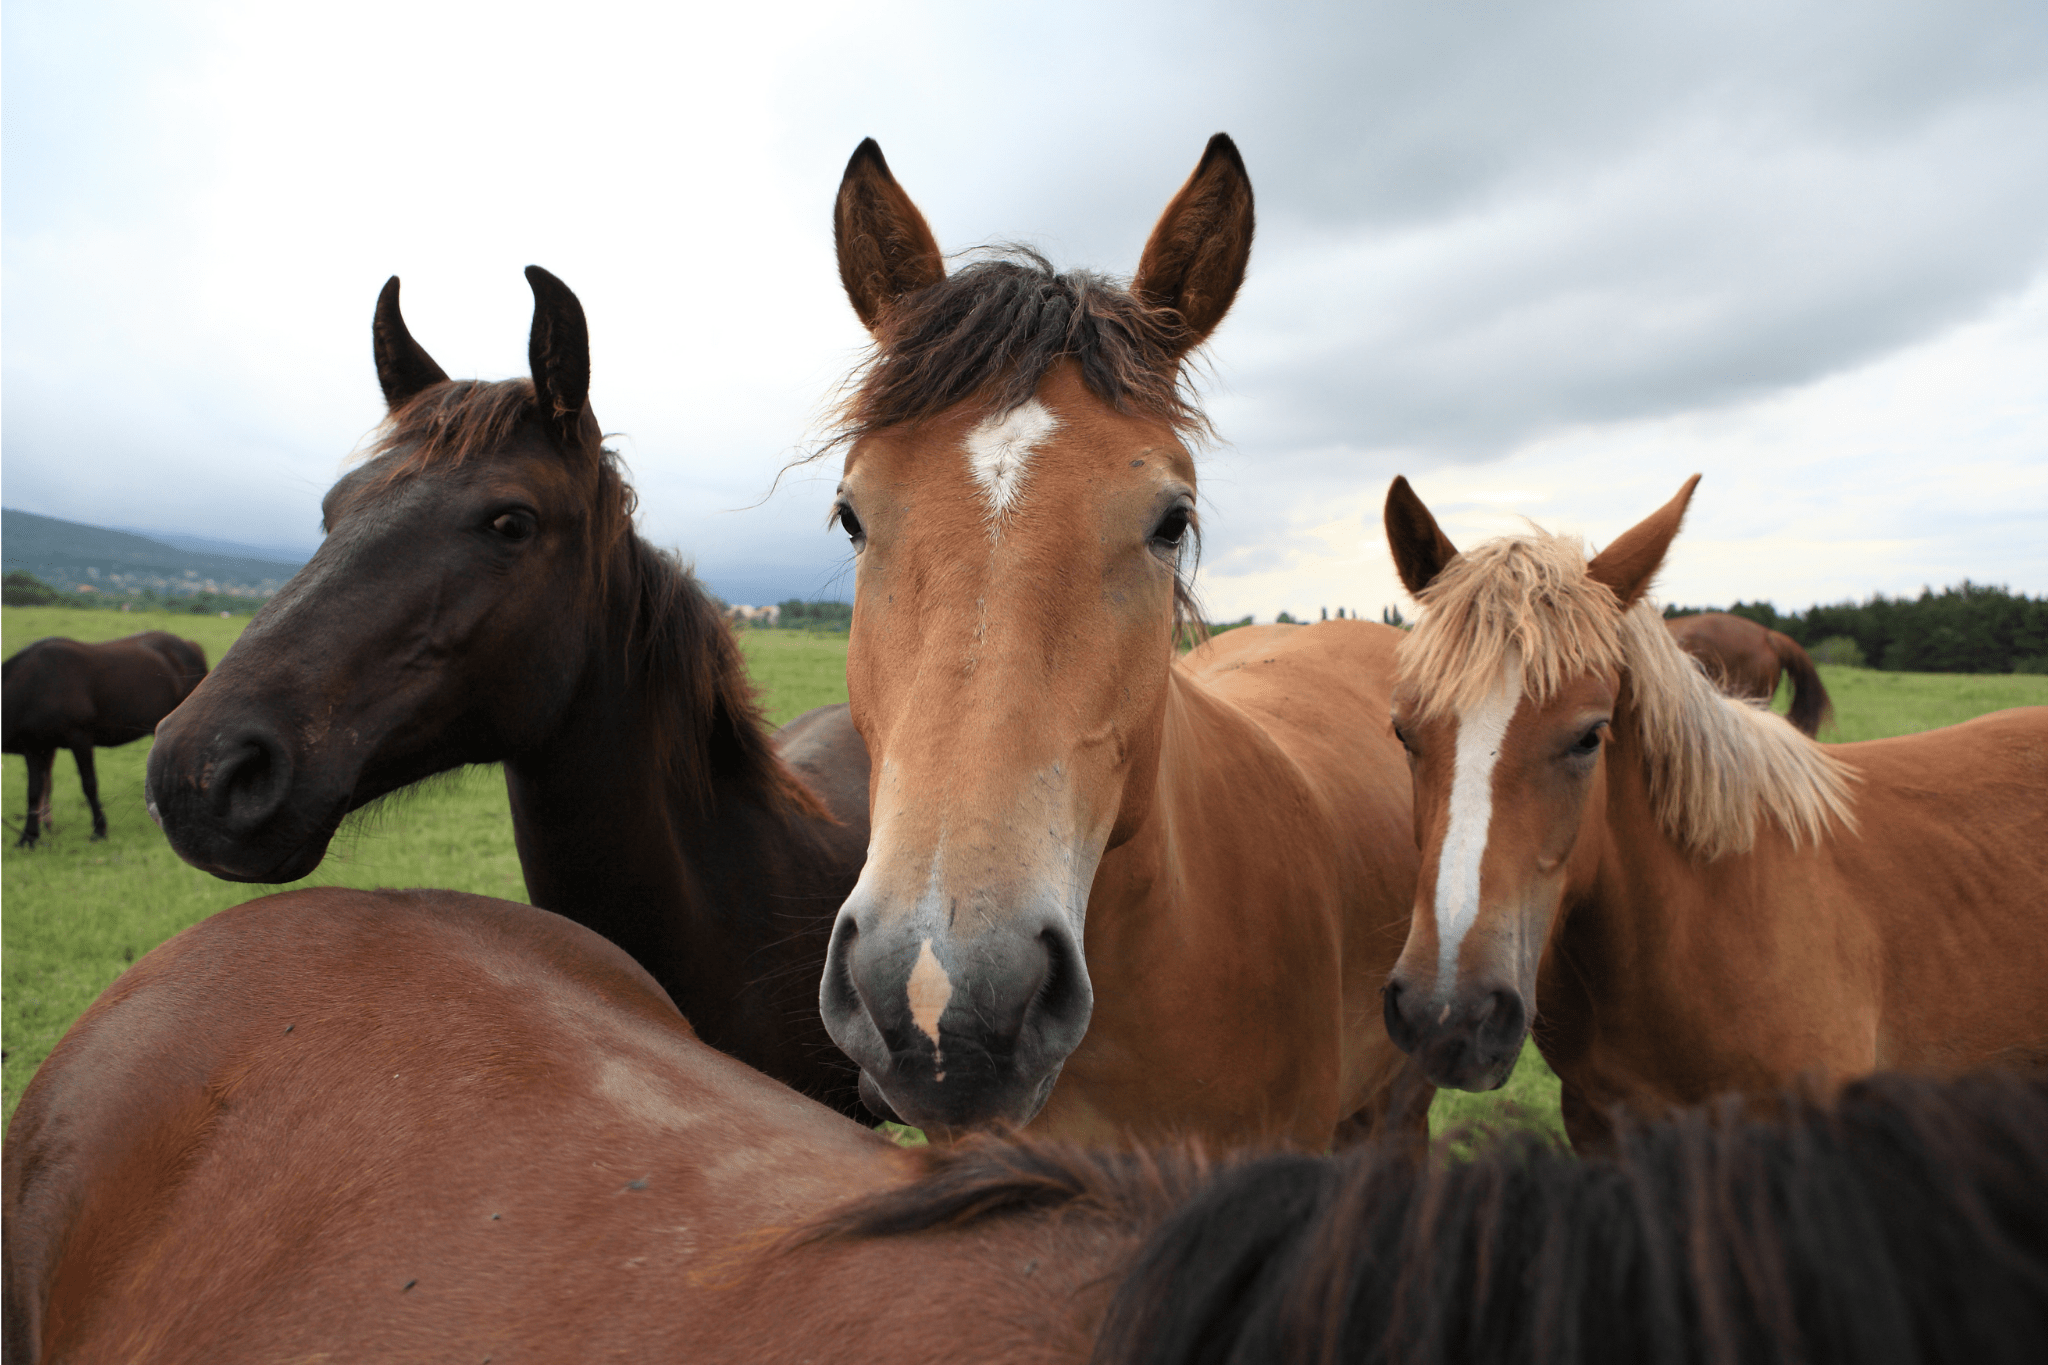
x: 999, y: 454
x: 1480, y: 730
x: 930, y: 991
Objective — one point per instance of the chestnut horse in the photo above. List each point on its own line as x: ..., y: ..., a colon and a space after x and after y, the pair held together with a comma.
x: 482, y: 597
x: 424, y: 1125
x: 1744, y: 659
x: 61, y: 694
x: 1173, y: 887
x: 1697, y: 897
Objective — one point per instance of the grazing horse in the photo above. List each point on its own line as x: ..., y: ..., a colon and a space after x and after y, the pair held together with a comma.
x: 1745, y: 658
x: 1697, y: 897
x: 481, y: 596
x: 61, y: 694
x: 413, y: 1125
x: 1172, y: 886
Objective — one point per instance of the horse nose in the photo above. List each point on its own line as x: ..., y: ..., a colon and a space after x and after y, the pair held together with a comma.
x: 1466, y: 1039
x: 954, y: 1031
x: 251, y: 778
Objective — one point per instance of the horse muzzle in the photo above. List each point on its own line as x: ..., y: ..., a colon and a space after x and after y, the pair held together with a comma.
x: 1466, y: 1039
x: 229, y: 804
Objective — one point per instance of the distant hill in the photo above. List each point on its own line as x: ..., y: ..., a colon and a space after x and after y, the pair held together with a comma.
x: 69, y: 555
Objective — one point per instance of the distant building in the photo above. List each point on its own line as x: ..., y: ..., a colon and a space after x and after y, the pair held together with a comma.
x: 743, y: 615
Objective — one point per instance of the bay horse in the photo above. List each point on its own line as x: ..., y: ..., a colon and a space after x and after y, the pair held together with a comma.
x: 481, y: 596
x: 64, y: 694
x: 1745, y: 657
x: 383, y: 1125
x: 1685, y: 894
x: 1172, y: 886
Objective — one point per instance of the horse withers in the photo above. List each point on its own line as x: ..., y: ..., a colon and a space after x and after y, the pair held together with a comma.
x: 481, y: 596
x: 64, y: 694
x: 1126, y: 893
x: 1683, y: 894
x: 1745, y: 659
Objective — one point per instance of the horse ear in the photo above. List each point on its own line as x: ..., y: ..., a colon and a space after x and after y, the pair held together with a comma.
x: 558, y: 352
x: 1628, y: 565
x: 886, y: 249
x: 1421, y: 549
x: 404, y: 368
x: 1196, y: 257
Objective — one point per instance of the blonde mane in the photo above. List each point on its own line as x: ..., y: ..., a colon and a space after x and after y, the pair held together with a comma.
x: 1526, y: 605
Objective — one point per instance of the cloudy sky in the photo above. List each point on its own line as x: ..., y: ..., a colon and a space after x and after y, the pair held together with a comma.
x: 1546, y: 259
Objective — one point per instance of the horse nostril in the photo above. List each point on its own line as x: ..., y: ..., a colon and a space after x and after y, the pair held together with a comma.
x: 250, y: 784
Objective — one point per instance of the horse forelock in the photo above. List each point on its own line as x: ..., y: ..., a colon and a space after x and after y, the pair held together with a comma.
x: 1525, y: 608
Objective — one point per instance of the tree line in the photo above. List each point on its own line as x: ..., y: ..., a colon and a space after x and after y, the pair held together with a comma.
x: 1970, y: 628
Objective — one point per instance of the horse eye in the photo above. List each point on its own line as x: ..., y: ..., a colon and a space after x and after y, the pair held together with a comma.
x: 514, y: 525
x: 1590, y: 741
x: 850, y: 524
x: 1171, y: 527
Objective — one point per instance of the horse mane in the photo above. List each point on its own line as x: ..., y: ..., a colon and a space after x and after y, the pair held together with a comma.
x: 702, y: 705
x: 1526, y: 605
x: 1906, y: 1221
x: 989, y: 332
x: 988, y: 1176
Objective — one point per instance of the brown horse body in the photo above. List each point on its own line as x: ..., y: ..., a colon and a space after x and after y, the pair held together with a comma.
x: 1745, y: 658
x: 482, y: 597
x: 1173, y: 888
x: 61, y: 694
x: 1700, y: 898
x: 422, y: 1125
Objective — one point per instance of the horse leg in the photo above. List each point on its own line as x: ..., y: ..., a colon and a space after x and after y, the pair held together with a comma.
x: 1398, y: 1115
x: 90, y: 781
x: 1590, y: 1128
x: 40, y: 762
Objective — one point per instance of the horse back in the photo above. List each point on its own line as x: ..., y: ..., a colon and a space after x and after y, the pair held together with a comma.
x: 276, y: 1125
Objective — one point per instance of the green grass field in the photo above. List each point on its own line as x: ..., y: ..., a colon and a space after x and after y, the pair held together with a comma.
x: 77, y: 913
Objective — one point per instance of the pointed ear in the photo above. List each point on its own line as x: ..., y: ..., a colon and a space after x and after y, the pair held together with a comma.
x: 558, y: 352
x: 886, y: 249
x: 1195, y: 260
x: 1421, y: 549
x: 403, y: 366
x: 1628, y: 565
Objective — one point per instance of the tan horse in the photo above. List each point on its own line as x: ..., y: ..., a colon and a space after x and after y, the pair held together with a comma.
x: 1700, y: 897
x: 1175, y: 888
x: 1745, y: 659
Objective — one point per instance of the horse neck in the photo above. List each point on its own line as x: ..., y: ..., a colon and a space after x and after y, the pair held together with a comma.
x: 624, y: 821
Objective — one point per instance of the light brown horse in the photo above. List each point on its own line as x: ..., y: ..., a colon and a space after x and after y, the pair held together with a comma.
x: 429, y: 1126
x: 349, y: 1125
x: 1698, y: 897
x: 1745, y: 658
x: 1172, y: 887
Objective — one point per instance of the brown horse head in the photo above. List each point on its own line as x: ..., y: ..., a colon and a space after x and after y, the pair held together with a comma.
x: 444, y: 556
x: 1021, y: 500
x: 1509, y: 688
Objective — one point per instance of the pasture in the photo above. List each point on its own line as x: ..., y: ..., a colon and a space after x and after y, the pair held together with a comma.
x: 77, y: 913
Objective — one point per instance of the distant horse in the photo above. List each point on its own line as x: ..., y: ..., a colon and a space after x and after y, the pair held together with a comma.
x: 1173, y: 888
x: 1745, y: 658
x: 1696, y: 897
x: 481, y: 596
x: 423, y: 1125
x: 61, y: 694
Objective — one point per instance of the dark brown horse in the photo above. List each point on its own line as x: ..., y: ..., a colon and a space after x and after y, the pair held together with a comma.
x: 482, y: 597
x: 61, y: 694
x: 422, y: 1125
x: 1744, y: 659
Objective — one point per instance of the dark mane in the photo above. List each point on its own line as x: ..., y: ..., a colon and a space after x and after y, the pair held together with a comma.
x: 704, y: 708
x: 1908, y: 1221
x: 989, y: 332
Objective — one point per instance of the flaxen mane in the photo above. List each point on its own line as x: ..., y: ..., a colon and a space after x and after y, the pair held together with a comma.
x: 704, y: 708
x: 1526, y: 605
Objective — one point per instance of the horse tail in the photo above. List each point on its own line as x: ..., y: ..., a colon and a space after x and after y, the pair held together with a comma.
x: 1810, y: 705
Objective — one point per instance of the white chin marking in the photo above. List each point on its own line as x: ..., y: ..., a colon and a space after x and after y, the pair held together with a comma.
x: 999, y: 454
x: 1480, y: 731
x: 930, y: 991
